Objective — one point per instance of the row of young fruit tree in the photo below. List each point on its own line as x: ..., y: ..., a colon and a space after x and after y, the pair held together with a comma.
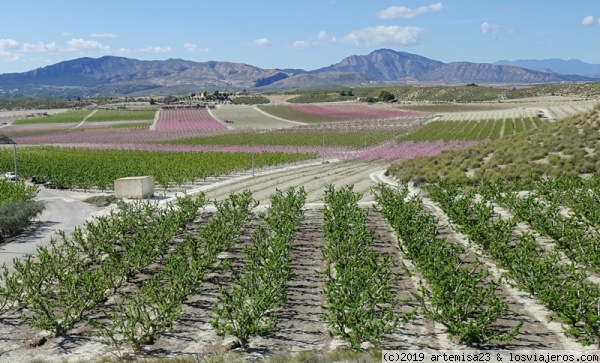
x: 128, y: 275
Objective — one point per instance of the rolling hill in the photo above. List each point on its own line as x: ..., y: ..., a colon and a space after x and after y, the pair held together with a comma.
x: 566, y: 146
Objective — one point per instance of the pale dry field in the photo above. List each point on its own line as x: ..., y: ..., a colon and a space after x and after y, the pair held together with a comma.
x: 554, y: 108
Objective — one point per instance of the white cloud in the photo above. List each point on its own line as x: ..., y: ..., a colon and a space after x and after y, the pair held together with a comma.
x: 8, y: 44
x: 387, y: 35
x: 194, y: 48
x: 322, y: 39
x: 10, y: 56
x: 82, y: 44
x: 156, y: 49
x: 302, y: 44
x: 39, y: 47
x: 395, y: 12
x: 492, y: 29
x: 590, y: 20
x: 191, y: 47
x: 12, y: 50
x: 261, y: 42
x: 102, y: 35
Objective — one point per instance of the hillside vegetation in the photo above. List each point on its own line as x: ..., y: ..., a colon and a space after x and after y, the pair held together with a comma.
x: 405, y: 95
x: 567, y: 146
x: 474, y: 93
x: 17, y: 207
x: 443, y: 94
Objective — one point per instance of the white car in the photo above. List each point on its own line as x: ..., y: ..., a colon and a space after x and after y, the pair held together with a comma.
x: 10, y: 175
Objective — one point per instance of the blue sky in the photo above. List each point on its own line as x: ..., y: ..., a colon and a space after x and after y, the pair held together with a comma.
x: 307, y: 34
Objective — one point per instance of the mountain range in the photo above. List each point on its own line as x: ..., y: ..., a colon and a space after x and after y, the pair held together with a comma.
x: 571, y: 66
x: 120, y: 76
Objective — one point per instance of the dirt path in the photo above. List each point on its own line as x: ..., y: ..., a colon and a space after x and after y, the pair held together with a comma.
x: 279, y: 118
x: 314, y: 178
x: 63, y: 211
x: 85, y: 119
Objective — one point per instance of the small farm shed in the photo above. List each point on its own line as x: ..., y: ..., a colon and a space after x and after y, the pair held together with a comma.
x: 139, y: 187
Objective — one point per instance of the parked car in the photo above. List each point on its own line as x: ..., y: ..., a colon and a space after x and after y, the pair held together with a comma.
x: 49, y: 185
x: 10, y: 175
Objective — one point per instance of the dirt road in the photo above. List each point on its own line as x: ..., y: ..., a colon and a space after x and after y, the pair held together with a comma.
x: 66, y: 209
x: 63, y: 212
x: 313, y: 177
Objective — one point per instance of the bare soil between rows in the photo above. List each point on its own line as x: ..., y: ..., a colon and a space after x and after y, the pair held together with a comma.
x: 300, y: 327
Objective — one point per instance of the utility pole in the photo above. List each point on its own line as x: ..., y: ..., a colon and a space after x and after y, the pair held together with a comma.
x: 15, y: 159
x: 5, y: 140
x: 323, y: 150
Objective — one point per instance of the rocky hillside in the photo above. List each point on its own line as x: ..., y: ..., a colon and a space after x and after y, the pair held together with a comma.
x: 386, y: 65
x: 457, y: 72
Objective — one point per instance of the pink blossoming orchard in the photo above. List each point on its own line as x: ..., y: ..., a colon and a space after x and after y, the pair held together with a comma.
x: 187, y: 119
x: 292, y: 261
x: 355, y: 112
x: 355, y: 127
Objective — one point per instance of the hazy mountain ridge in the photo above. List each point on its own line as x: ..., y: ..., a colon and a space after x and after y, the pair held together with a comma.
x: 120, y: 76
x: 554, y: 65
x: 489, y: 73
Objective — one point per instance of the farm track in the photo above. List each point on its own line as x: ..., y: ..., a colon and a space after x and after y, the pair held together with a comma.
x: 314, y: 178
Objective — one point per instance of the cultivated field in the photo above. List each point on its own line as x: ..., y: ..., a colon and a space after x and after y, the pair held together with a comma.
x: 242, y: 117
x: 329, y: 253
x: 300, y: 325
x: 554, y: 108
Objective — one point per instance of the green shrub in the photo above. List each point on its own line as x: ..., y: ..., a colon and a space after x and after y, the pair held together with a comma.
x: 102, y: 200
x: 16, y: 216
x: 16, y: 192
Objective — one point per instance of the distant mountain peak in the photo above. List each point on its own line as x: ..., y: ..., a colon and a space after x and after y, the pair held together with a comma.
x: 120, y: 76
x: 385, y: 65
